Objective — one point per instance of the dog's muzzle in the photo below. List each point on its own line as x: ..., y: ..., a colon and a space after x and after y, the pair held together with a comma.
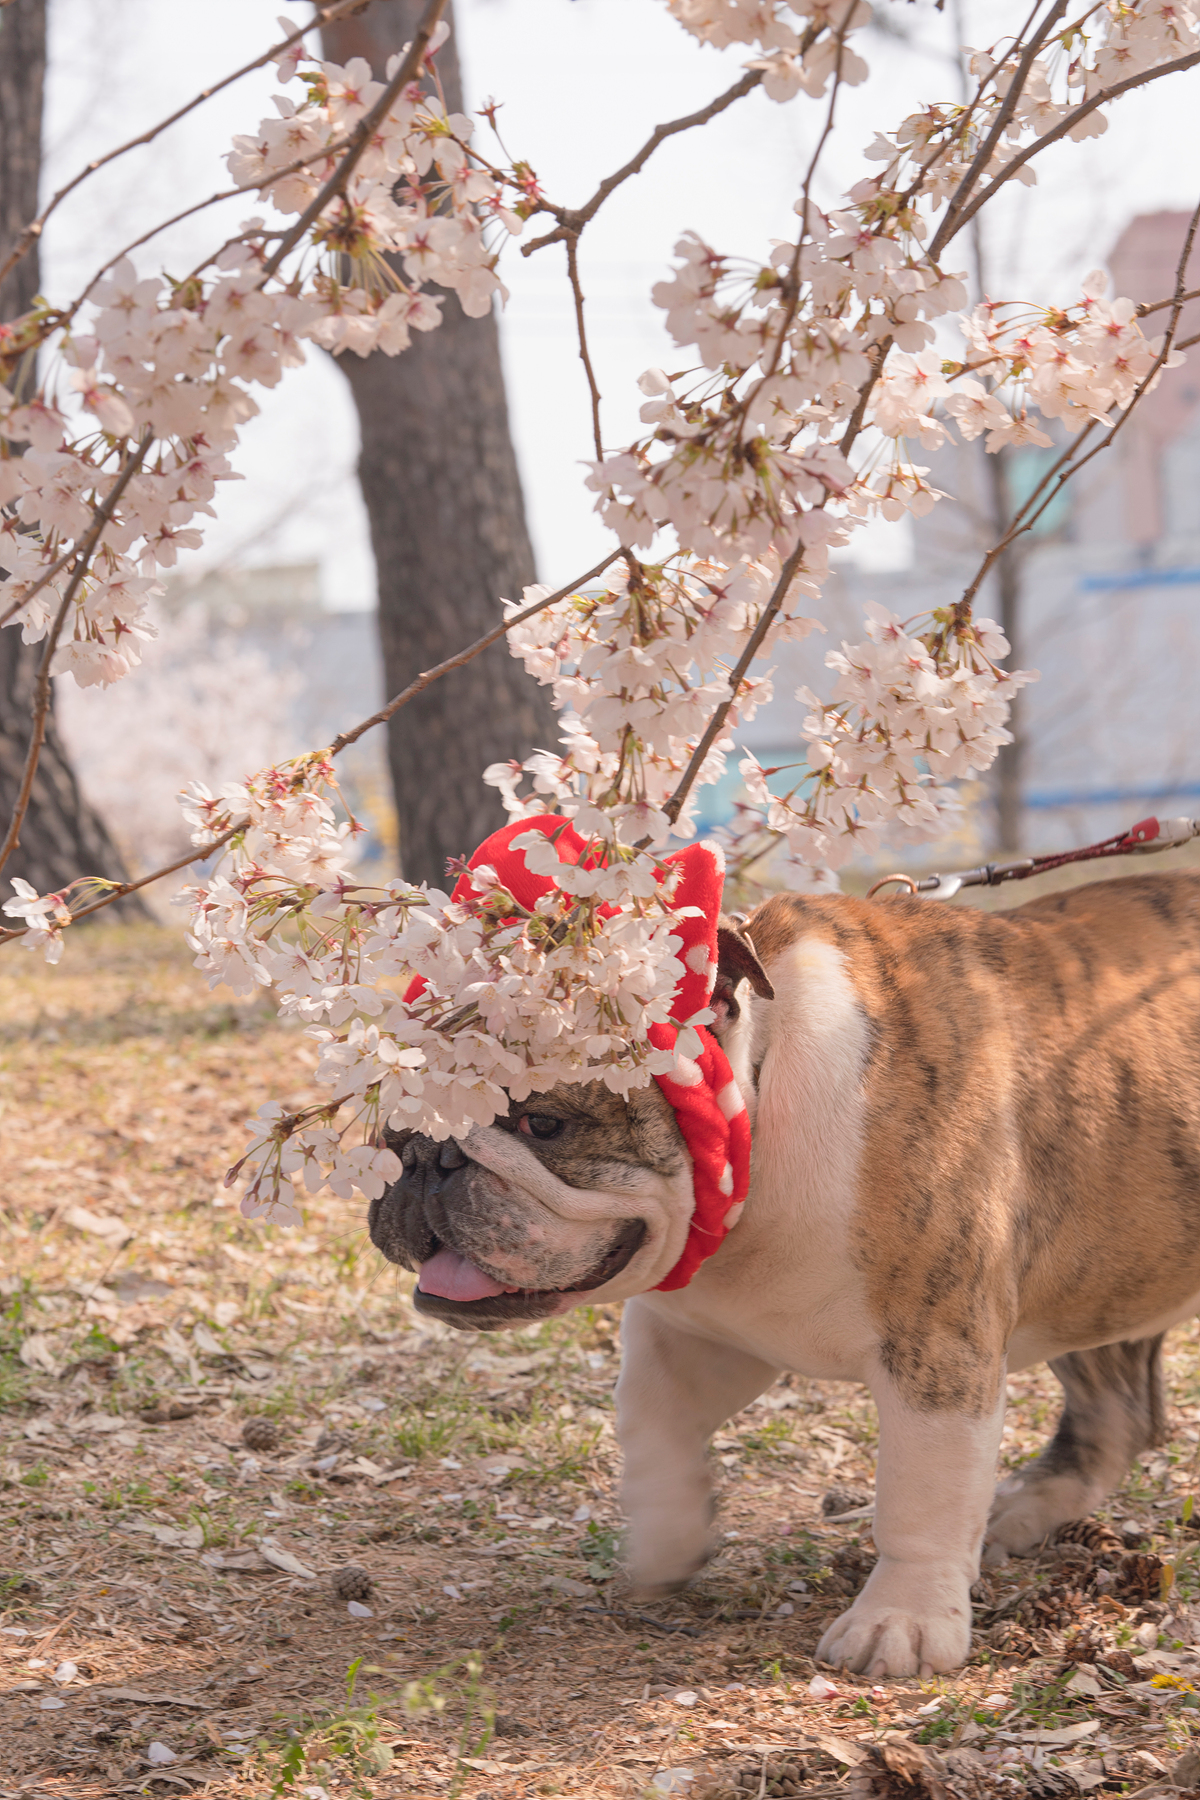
x: 424, y: 1220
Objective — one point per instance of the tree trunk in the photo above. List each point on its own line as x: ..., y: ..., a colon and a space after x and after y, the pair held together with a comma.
x: 440, y: 482
x: 61, y: 837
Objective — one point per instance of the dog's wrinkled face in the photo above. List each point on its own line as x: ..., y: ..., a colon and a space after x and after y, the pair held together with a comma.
x: 576, y: 1195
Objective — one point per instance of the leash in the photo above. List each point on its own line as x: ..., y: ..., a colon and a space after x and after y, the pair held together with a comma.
x: 1142, y: 839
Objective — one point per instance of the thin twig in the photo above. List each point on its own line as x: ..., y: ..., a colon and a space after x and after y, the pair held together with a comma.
x: 1152, y: 306
x: 674, y: 805
x: 54, y: 569
x: 464, y: 656
x: 572, y: 241
x: 323, y: 15
x: 1004, y: 113
x: 1060, y: 130
x: 574, y: 219
x: 345, y: 738
x: 361, y: 136
x: 1026, y: 518
x: 42, y: 690
x: 201, y: 853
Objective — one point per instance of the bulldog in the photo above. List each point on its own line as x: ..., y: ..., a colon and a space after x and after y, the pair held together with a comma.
x: 975, y: 1147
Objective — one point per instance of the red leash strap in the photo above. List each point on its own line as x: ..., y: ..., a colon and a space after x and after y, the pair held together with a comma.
x: 1146, y: 836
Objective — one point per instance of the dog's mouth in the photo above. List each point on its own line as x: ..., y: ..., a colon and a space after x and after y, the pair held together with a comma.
x: 453, y: 1288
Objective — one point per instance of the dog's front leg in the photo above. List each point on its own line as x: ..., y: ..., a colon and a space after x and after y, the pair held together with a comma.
x: 933, y: 1486
x: 673, y: 1392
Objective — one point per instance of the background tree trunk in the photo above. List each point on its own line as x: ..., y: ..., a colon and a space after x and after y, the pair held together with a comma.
x: 440, y: 482
x: 61, y: 837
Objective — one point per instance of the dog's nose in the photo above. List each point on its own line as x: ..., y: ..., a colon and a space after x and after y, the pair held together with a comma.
x: 450, y: 1156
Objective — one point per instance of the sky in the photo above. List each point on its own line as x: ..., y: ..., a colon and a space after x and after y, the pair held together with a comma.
x: 582, y: 82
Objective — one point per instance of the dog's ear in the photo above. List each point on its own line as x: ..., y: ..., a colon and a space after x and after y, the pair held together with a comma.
x: 737, y: 961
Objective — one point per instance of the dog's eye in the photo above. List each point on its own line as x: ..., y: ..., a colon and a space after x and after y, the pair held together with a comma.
x: 539, y: 1125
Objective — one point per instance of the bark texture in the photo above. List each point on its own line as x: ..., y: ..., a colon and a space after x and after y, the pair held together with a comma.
x: 440, y: 482
x: 61, y: 837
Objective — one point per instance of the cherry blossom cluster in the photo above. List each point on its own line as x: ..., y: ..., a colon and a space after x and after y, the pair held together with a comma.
x: 933, y: 150
x: 637, y: 672
x: 910, y: 714
x: 418, y: 193
x: 154, y: 378
x: 511, y: 1000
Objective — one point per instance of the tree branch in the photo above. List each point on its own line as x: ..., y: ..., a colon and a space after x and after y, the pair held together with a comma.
x: 41, y: 703
x: 1028, y: 515
x: 341, y: 742
x: 464, y: 656
x: 674, y: 805
x: 360, y: 137
x: 573, y: 220
x: 1153, y: 306
x: 572, y: 242
x: 11, y: 612
x: 324, y: 14
x: 1060, y: 130
x: 983, y: 155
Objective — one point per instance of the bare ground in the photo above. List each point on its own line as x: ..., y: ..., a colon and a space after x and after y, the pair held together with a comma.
x: 208, y: 1426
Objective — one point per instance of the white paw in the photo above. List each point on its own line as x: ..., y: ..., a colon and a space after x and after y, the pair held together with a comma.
x: 908, y: 1620
x: 663, y: 1553
x: 1025, y: 1512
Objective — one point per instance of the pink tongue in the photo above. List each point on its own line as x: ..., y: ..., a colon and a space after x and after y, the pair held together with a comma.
x: 452, y: 1277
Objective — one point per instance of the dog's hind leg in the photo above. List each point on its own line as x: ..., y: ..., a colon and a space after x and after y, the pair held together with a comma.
x: 1114, y: 1410
x: 674, y: 1390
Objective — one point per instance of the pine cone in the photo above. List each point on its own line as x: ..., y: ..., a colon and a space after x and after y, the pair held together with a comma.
x: 1047, y: 1784
x: 1093, y: 1534
x: 844, y: 1499
x: 1121, y: 1663
x: 351, y: 1582
x: 784, y: 1776
x: 1139, y: 1577
x: 1084, y: 1647
x: 1051, y: 1607
x: 260, y: 1433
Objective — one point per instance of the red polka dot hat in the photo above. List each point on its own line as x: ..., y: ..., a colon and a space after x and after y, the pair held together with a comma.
x: 703, y: 1094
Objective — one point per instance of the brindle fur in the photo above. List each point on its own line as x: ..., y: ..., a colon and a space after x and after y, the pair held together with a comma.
x: 1115, y: 1408
x: 1033, y: 1120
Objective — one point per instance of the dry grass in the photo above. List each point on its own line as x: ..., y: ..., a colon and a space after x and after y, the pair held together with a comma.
x: 143, y: 1325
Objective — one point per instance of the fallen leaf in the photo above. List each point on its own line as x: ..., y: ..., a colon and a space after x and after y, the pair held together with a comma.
x: 843, y: 1750
x: 283, y: 1559
x: 159, y: 1753
x: 565, y: 1584
x: 36, y: 1353
x: 1069, y: 1734
x: 101, y: 1225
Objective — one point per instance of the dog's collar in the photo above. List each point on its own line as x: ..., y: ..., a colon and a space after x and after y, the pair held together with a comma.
x: 702, y: 1093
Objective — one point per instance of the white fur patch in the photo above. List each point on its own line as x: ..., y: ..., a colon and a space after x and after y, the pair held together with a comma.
x: 730, y: 1100
x: 734, y: 1214
x: 726, y: 1182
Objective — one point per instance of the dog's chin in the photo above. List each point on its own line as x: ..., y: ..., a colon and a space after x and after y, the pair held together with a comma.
x: 500, y: 1312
